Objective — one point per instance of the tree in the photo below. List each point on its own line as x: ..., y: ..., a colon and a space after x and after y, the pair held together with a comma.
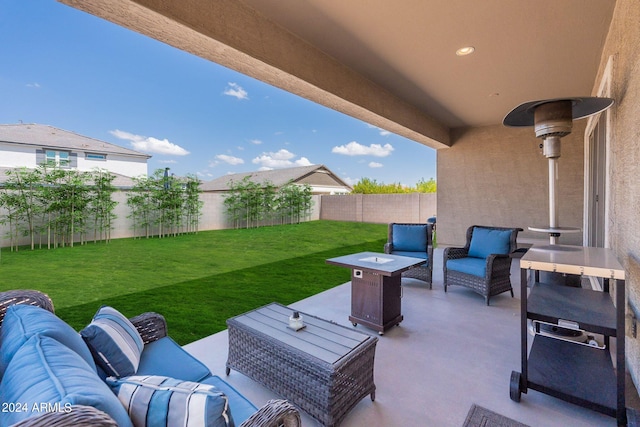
x: 102, y: 204
x: 169, y: 203
x: 429, y: 186
x: 371, y: 186
x: 193, y: 204
x: 23, y: 183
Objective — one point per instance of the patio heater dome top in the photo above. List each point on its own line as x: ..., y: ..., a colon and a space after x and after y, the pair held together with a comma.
x: 524, y: 114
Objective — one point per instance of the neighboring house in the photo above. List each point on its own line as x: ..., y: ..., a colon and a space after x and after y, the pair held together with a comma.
x: 318, y: 177
x: 30, y: 145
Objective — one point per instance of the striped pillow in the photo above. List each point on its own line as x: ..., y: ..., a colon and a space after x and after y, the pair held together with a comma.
x: 114, y: 342
x: 156, y: 401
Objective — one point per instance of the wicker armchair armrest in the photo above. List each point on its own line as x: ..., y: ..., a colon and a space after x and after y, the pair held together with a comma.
x: 151, y: 326
x: 274, y: 413
x: 498, y: 263
x: 78, y: 415
x: 454, y: 253
x: 388, y: 247
x: 23, y: 296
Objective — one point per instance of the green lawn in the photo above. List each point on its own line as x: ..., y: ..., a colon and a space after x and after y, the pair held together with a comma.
x: 195, y: 281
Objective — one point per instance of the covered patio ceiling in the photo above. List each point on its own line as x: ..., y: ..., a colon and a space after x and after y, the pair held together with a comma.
x: 391, y: 64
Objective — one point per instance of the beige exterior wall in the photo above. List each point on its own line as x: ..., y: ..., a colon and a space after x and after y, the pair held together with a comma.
x: 497, y: 176
x: 623, y: 46
x: 379, y: 208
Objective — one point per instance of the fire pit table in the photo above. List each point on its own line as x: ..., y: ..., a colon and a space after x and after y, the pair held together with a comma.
x: 376, y: 290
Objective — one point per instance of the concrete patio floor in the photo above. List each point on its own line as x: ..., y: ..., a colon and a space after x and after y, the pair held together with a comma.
x: 450, y: 352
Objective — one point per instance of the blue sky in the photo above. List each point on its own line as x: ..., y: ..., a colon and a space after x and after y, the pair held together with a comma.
x: 71, y: 70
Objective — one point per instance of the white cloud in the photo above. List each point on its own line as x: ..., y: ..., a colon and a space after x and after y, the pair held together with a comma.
x: 34, y: 85
x: 350, y: 181
x: 167, y: 161
x: 355, y: 149
x: 375, y: 165
x: 279, y: 159
x: 383, y: 132
x: 303, y: 161
x: 149, y: 144
x: 230, y: 159
x: 235, y: 90
x: 255, y: 141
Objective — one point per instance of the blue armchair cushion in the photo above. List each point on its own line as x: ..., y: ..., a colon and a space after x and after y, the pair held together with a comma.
x: 158, y: 401
x: 486, y: 241
x: 114, y: 342
x: 21, y: 322
x: 240, y: 407
x: 409, y: 238
x: 45, y: 375
x: 181, y: 364
x: 468, y: 265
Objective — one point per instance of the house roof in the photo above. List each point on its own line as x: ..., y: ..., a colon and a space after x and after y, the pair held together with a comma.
x: 313, y: 174
x: 51, y: 137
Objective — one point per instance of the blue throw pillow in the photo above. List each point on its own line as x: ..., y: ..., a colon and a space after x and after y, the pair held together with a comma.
x: 115, y: 343
x: 22, y: 321
x: 45, y: 375
x: 410, y: 238
x: 156, y: 401
x: 486, y: 241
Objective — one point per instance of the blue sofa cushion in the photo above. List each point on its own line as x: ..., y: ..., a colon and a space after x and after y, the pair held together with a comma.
x: 485, y: 241
x: 115, y: 343
x: 21, y: 322
x: 409, y: 238
x: 165, y: 357
x: 241, y: 408
x: 157, y: 401
x: 473, y: 266
x: 46, y: 375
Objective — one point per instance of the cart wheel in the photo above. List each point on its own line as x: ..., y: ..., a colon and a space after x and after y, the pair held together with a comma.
x: 514, y: 386
x: 354, y: 324
x: 380, y: 333
x: 373, y: 396
x: 228, y: 371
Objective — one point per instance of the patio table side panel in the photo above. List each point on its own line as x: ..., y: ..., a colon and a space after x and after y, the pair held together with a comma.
x: 325, y: 391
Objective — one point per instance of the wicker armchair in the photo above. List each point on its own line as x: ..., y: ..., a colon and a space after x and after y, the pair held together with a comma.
x: 484, y: 263
x: 152, y: 327
x: 414, y: 240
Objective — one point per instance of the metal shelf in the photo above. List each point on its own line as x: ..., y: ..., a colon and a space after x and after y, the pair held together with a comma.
x: 576, y: 373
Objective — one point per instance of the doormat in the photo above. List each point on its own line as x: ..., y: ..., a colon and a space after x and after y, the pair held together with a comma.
x: 483, y: 417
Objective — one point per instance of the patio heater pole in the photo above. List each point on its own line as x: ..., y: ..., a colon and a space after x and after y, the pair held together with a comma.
x: 552, y: 120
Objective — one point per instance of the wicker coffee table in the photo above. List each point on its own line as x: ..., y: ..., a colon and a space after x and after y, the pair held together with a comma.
x: 325, y: 368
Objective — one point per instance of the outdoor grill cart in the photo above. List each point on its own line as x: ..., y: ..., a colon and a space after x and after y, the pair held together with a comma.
x: 579, y: 372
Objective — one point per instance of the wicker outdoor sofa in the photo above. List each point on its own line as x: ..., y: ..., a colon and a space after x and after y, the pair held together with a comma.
x: 161, y: 355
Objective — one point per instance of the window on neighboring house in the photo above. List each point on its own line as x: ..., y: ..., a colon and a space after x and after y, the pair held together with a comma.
x: 95, y: 156
x: 57, y: 158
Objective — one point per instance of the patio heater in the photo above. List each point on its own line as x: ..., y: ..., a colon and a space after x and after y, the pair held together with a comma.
x: 553, y: 119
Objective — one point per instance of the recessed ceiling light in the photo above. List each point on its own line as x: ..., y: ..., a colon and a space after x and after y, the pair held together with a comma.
x: 467, y: 50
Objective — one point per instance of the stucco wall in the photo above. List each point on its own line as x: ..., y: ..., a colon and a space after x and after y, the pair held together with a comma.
x: 379, y: 208
x: 496, y: 175
x: 623, y: 43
